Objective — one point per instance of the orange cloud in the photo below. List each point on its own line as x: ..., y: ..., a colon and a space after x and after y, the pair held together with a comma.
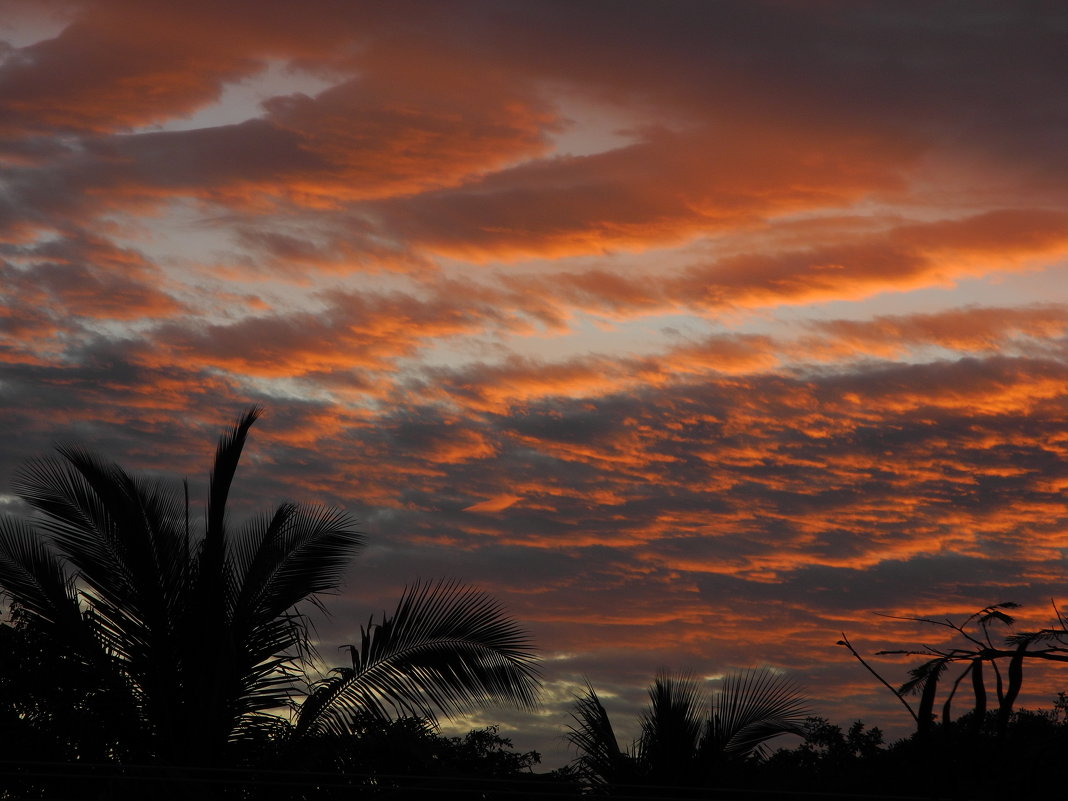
x: 100, y: 75
x: 498, y: 504
x: 856, y: 266
x: 975, y: 329
x: 352, y: 332
x: 904, y: 258
x: 666, y: 189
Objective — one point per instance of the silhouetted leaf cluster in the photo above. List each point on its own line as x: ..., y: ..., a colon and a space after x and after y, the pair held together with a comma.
x: 689, y: 738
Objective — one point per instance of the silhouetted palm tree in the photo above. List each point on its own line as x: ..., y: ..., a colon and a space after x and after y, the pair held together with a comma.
x: 197, y: 641
x: 686, y: 735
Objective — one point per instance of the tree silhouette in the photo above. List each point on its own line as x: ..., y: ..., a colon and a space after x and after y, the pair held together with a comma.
x: 975, y: 650
x: 687, y: 737
x: 196, y: 642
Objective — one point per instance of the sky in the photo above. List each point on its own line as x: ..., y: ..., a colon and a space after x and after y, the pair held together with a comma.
x: 697, y: 333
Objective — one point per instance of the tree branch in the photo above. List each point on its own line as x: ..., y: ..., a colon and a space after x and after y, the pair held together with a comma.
x: 845, y: 641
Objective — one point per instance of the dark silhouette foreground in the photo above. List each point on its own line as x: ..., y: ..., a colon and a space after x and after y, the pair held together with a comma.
x: 137, y: 641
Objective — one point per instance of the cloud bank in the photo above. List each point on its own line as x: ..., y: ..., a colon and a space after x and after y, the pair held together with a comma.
x: 697, y: 332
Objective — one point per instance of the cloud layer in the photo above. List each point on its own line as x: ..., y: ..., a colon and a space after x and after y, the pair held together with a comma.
x: 698, y: 333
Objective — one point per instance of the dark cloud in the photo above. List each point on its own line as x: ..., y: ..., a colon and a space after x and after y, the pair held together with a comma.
x: 917, y: 583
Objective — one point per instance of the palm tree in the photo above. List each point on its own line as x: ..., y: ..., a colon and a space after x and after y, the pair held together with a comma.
x: 687, y: 736
x: 197, y: 642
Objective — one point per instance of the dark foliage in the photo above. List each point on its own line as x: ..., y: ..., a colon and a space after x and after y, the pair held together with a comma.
x: 445, y: 648
x: 964, y: 759
x: 146, y: 657
x: 404, y: 758
x: 687, y: 739
x: 829, y: 760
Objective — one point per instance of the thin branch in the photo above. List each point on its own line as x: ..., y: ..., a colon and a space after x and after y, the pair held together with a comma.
x: 845, y: 641
x: 946, y: 707
x: 949, y: 624
x: 1060, y: 618
x: 986, y: 634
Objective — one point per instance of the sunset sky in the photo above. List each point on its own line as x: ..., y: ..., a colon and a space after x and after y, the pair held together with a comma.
x: 695, y: 332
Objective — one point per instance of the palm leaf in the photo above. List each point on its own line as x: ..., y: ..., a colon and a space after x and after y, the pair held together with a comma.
x: 227, y: 456
x: 992, y: 613
x: 750, y: 708
x: 124, y: 538
x: 925, y: 678
x: 446, y: 648
x: 80, y: 507
x: 47, y: 601
x: 280, y: 561
x: 215, y: 581
x: 919, y: 675
x: 600, y: 758
x: 674, y: 719
x: 296, y: 554
x: 122, y: 535
x: 35, y: 579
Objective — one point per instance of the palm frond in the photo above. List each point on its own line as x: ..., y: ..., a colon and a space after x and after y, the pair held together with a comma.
x: 79, y: 507
x: 164, y: 512
x: 446, y: 648
x: 296, y: 554
x: 675, y: 718
x: 124, y: 536
x: 279, y: 562
x: 32, y: 575
x: 926, y: 676
x: 227, y: 456
x: 121, y: 534
x: 992, y: 613
x: 752, y: 707
x: 47, y: 600
x: 213, y: 585
x: 919, y: 675
x: 1032, y: 637
x: 600, y: 758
